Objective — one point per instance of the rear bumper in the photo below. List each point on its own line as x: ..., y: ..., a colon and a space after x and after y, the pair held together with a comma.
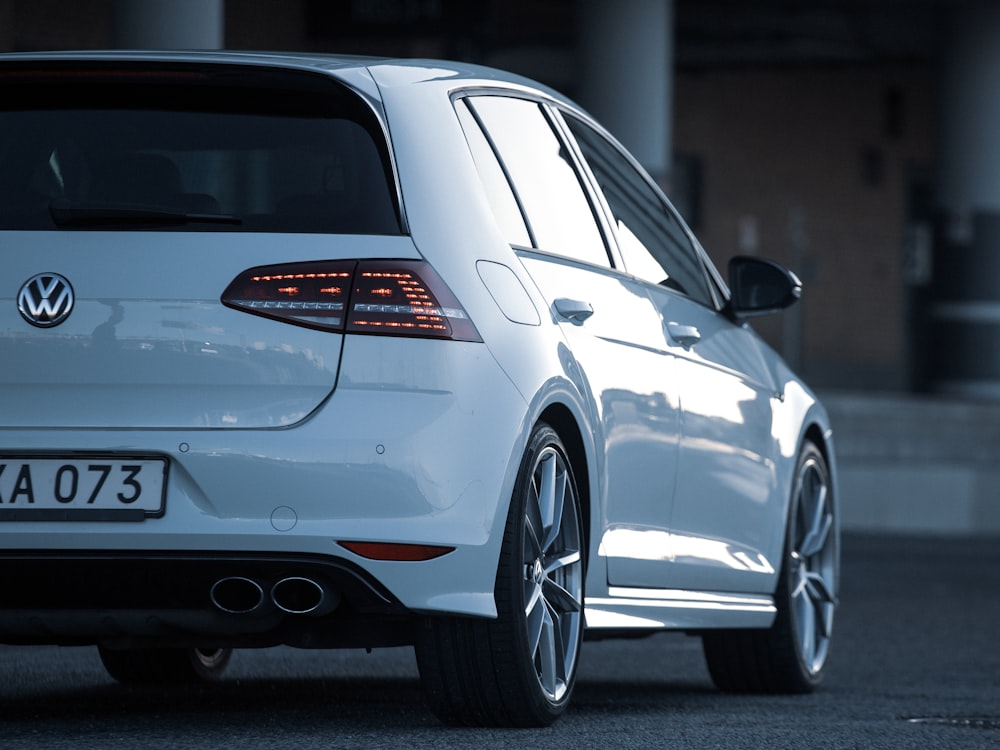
x: 406, y: 450
x: 130, y: 598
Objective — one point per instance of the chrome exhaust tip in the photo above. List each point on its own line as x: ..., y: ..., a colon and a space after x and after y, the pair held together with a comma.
x: 303, y: 596
x: 237, y: 595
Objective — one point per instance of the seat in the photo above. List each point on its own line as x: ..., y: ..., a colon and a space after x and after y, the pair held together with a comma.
x: 151, y: 180
x: 136, y: 178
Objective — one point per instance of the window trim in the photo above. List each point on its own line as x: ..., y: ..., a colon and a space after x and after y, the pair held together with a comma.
x: 555, y: 112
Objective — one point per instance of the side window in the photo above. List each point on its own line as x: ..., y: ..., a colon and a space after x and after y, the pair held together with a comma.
x: 502, y: 200
x: 652, y: 241
x: 560, y: 217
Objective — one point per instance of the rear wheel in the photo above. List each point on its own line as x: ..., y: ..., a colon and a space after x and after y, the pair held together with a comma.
x: 790, y: 657
x: 519, y: 669
x: 151, y: 666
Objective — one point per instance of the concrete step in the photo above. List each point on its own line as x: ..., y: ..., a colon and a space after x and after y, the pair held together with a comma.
x: 916, y: 465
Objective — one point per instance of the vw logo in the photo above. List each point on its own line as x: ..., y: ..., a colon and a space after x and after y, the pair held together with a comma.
x: 45, y: 300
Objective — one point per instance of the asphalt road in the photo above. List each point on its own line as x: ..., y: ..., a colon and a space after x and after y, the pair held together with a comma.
x: 916, y: 665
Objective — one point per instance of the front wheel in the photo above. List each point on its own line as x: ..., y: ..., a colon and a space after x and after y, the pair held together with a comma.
x: 519, y: 669
x: 791, y: 656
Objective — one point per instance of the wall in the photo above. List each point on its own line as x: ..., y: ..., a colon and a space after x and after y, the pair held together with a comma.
x: 813, y: 169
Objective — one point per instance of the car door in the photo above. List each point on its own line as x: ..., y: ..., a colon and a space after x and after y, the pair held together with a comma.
x: 609, y: 321
x: 725, y: 501
x: 728, y: 509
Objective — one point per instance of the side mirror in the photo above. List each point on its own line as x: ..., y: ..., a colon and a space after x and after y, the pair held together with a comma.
x: 759, y: 287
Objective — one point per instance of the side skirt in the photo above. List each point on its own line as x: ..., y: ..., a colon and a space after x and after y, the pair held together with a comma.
x: 669, y: 609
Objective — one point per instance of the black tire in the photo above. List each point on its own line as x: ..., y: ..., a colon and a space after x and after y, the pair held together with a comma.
x: 518, y: 670
x: 161, y: 666
x: 790, y: 656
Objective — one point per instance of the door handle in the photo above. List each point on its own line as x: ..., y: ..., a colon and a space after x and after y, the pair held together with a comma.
x: 686, y: 336
x: 573, y: 309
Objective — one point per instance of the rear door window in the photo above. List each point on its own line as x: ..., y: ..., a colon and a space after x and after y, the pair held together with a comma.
x: 191, y: 147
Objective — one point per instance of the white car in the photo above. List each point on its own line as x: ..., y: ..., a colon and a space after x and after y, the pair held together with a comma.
x: 343, y: 352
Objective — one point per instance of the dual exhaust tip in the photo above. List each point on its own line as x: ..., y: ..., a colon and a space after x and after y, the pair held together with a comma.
x: 295, y: 595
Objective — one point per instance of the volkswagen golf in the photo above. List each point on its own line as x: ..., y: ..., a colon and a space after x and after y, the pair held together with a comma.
x: 354, y: 353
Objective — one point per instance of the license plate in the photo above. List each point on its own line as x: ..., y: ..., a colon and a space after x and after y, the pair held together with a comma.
x: 97, y: 488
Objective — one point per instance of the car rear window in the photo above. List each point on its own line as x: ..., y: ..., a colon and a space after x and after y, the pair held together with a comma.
x: 190, y: 148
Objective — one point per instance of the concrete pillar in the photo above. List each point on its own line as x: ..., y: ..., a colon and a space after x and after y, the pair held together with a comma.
x: 626, y: 74
x: 963, y: 331
x: 169, y: 24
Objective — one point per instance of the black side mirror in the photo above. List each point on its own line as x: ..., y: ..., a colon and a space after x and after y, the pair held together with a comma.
x: 759, y: 287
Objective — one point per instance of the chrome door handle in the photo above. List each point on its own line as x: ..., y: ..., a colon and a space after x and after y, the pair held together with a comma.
x: 686, y: 336
x: 574, y: 309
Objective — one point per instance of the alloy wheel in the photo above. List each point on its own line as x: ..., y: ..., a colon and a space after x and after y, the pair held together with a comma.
x: 813, y: 565
x: 553, y: 573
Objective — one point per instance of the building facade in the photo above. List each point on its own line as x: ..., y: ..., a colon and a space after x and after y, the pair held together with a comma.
x: 844, y: 138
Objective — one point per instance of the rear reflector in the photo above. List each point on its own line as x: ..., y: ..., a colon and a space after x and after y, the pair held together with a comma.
x: 388, y: 297
x: 395, y: 551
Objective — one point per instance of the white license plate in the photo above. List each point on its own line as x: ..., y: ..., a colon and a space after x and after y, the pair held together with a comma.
x: 81, y: 488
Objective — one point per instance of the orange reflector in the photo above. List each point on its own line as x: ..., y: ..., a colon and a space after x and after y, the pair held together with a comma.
x: 396, y: 552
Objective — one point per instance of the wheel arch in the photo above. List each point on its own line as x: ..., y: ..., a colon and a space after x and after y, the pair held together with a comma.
x: 823, y: 440
x: 814, y: 427
x: 816, y: 435
x: 561, y: 419
x: 818, y: 432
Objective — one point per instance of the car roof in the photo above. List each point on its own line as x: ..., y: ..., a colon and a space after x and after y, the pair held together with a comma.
x: 315, y: 61
x: 277, y: 59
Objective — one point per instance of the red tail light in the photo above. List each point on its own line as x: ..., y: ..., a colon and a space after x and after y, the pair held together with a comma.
x: 388, y: 297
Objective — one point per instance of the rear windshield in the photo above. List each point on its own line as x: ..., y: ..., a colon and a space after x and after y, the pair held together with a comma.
x: 190, y: 148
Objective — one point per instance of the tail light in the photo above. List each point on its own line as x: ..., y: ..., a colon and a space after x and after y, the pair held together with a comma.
x: 388, y: 297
